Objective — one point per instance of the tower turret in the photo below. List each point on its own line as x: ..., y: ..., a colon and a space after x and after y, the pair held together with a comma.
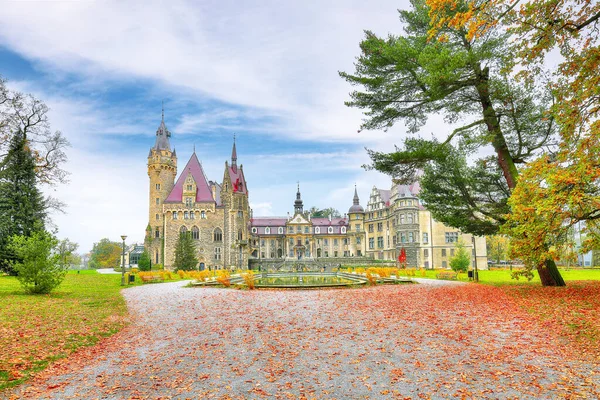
x: 298, y: 204
x: 356, y: 207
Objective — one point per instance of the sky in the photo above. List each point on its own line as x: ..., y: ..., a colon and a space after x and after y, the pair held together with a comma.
x: 266, y: 71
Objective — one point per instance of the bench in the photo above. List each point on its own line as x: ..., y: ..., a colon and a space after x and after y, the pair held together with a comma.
x: 447, y: 275
x: 151, y: 278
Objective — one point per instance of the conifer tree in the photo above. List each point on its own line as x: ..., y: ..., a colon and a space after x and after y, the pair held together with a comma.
x: 22, y: 206
x: 185, y: 253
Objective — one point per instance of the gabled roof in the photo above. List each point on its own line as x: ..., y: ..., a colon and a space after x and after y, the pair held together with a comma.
x: 203, y: 192
x: 385, y: 196
x: 238, y: 182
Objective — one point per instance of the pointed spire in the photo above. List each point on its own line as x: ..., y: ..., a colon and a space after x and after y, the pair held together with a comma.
x: 355, y: 200
x: 162, y: 133
x: 194, y: 148
x: 234, y: 156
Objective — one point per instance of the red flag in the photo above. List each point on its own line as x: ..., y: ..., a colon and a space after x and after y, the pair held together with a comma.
x: 402, y: 256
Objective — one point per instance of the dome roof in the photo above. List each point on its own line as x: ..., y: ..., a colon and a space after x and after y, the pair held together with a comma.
x: 356, y: 208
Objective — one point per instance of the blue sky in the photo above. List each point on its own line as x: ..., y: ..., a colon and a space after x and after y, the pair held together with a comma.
x: 266, y: 72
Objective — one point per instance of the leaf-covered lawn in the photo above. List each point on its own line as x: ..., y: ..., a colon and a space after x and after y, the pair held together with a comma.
x: 37, y: 329
x: 572, y: 312
x: 416, y: 341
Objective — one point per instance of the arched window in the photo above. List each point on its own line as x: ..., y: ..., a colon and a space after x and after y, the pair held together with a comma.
x: 156, y: 259
x: 267, y: 230
x: 192, y: 215
x: 240, y: 235
x: 218, y: 235
x: 157, y: 233
x: 195, y: 233
x: 186, y: 215
x: 157, y: 217
x: 317, y: 230
x: 183, y: 230
x: 174, y: 214
x: 280, y: 231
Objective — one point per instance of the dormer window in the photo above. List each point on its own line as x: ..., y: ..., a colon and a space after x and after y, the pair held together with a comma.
x: 190, y: 188
x: 330, y: 229
x: 254, y: 230
x: 317, y: 230
x: 280, y: 230
x: 267, y: 231
x: 343, y: 229
x: 188, y: 201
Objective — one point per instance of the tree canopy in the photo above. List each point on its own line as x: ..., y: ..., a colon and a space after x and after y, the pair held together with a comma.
x: 559, y: 189
x: 105, y: 254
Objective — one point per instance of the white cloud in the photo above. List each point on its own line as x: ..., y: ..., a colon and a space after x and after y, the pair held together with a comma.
x: 278, y: 56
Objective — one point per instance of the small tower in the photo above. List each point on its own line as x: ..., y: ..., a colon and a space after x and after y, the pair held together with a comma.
x: 162, y: 169
x: 356, y: 230
x: 236, y: 205
x: 298, y: 205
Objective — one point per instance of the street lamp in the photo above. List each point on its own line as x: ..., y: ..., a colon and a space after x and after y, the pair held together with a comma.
x: 123, y: 266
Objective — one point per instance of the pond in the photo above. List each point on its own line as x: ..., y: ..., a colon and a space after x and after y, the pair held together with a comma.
x: 306, y: 280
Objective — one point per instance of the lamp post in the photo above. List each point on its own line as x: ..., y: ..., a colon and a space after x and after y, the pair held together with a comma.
x: 123, y: 265
x: 475, y: 272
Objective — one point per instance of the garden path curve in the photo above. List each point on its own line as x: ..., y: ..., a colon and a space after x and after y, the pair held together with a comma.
x: 418, y: 341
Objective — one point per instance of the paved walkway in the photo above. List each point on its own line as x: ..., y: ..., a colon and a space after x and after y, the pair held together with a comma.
x: 432, y: 340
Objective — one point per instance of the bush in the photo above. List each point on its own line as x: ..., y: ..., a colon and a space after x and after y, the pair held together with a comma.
x: 249, y: 279
x: 144, y: 261
x: 41, y: 269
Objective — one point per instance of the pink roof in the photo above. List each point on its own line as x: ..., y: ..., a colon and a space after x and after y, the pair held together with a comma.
x: 203, y: 192
x: 326, y: 222
x: 237, y: 179
x: 266, y: 221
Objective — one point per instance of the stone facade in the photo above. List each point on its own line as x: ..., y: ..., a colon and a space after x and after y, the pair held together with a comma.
x: 215, y: 215
x: 395, y: 219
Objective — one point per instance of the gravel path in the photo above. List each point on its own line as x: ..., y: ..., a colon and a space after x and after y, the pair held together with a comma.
x: 403, y: 341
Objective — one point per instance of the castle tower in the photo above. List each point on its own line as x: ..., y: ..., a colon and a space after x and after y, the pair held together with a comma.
x: 234, y: 197
x: 356, y: 229
x: 162, y: 169
x: 298, y: 204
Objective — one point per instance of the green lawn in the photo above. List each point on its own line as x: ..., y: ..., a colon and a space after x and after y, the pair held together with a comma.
x: 503, y: 277
x: 37, y: 329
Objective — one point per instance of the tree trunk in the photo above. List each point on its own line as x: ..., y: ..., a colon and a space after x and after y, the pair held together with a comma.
x: 549, y: 274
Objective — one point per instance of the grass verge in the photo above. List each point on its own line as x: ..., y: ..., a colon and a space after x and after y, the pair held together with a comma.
x: 38, y: 329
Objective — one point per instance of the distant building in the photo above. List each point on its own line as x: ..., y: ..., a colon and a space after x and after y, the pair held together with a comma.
x: 396, y: 219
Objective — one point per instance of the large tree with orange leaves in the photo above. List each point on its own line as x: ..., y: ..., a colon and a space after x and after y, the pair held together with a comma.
x: 447, y: 69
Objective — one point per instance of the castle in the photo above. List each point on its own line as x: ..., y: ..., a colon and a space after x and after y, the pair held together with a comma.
x: 219, y: 219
